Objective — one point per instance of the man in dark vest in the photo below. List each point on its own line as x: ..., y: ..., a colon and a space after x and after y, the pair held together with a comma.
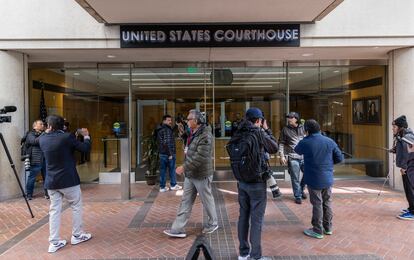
x: 36, y: 158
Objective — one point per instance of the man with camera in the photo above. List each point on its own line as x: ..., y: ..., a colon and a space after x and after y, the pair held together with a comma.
x: 320, y: 154
x: 400, y: 130
x: 198, y: 172
x: 62, y: 179
x: 36, y: 158
x: 166, y: 148
x: 252, y: 132
x: 289, y: 137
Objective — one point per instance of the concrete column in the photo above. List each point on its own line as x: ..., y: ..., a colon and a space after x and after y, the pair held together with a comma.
x: 14, y: 92
x: 400, y: 98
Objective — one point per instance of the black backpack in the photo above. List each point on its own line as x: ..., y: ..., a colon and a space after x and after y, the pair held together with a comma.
x: 244, y: 149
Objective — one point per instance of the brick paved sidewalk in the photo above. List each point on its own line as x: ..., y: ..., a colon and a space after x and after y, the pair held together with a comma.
x: 365, y: 226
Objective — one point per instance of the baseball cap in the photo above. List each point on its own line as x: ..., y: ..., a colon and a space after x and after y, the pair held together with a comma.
x: 254, y: 112
x: 292, y: 115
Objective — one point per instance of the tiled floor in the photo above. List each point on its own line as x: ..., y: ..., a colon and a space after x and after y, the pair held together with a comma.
x: 365, y: 226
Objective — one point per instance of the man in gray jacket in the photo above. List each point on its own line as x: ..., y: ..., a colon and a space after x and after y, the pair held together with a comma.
x: 198, y: 172
x: 289, y: 138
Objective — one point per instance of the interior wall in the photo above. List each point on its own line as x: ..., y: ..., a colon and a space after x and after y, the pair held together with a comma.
x: 369, y: 139
x: 94, y: 113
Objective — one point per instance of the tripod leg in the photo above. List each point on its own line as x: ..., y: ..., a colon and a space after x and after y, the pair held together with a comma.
x: 15, y: 173
x: 383, y: 185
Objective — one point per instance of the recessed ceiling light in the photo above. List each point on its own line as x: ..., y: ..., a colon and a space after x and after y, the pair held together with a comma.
x: 307, y: 54
x: 76, y: 74
x: 336, y: 71
x: 111, y: 56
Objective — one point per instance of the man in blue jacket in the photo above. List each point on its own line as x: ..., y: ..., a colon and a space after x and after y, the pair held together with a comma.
x: 62, y: 179
x: 320, y: 153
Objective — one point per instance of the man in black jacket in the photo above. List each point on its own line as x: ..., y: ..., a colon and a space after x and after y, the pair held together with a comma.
x: 36, y: 158
x: 62, y: 179
x: 409, y: 140
x: 253, y: 195
x: 166, y: 148
x: 400, y: 129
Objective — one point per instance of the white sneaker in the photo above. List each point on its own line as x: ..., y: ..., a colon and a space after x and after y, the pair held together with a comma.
x: 243, y: 257
x: 53, y: 247
x: 209, y: 230
x: 81, y: 238
x: 164, y: 189
x: 176, y: 187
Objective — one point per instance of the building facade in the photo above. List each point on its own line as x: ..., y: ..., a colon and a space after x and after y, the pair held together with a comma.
x: 106, y: 65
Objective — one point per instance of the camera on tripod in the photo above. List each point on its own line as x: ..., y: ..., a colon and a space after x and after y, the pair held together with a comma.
x: 7, y: 119
x: 5, y: 110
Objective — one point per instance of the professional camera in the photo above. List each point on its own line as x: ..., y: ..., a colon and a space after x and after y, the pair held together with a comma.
x: 5, y: 110
x: 26, y: 159
x: 179, y: 119
x: 271, y: 183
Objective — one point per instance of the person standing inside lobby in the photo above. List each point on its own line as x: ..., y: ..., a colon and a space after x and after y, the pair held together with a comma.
x: 198, y: 173
x: 166, y: 148
x: 289, y: 137
x: 400, y: 129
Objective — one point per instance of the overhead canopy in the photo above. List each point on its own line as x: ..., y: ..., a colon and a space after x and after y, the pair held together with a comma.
x: 212, y: 11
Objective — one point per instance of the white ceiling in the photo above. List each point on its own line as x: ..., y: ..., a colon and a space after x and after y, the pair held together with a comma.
x: 208, y: 54
x: 202, y: 11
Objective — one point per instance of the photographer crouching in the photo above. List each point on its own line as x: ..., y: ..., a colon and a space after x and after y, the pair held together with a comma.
x: 62, y: 179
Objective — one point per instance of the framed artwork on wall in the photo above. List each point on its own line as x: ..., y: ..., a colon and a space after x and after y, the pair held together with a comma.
x: 358, y: 113
x: 373, y: 105
x: 366, y: 111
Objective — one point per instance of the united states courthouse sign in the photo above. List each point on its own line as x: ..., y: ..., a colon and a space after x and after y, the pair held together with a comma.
x: 210, y: 35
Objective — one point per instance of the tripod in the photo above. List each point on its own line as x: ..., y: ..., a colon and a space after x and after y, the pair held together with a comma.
x: 15, y: 173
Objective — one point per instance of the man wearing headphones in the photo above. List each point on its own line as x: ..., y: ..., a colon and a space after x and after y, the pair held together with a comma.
x: 288, y: 139
x: 198, y: 172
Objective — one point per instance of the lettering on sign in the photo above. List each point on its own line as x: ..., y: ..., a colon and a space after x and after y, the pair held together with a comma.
x: 210, y: 35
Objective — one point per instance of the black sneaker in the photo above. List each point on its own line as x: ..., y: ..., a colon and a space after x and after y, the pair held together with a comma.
x: 298, y: 201
x: 29, y: 197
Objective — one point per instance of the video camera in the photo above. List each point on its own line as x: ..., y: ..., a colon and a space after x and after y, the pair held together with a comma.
x: 5, y: 110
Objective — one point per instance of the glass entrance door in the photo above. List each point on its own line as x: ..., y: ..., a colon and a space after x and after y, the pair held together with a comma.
x: 261, y: 87
x: 149, y: 113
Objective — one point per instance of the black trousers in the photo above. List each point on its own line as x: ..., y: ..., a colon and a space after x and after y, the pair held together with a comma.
x: 409, y: 192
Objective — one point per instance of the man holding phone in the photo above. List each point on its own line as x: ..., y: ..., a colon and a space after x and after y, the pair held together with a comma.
x: 409, y: 140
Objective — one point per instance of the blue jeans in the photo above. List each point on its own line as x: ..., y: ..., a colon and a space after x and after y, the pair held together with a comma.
x: 163, y: 168
x: 294, y: 168
x: 252, y: 201
x: 34, y: 171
